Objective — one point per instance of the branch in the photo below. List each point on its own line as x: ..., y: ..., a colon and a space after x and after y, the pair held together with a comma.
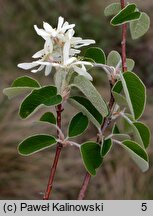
x: 123, y: 43
x: 57, y: 155
x: 107, y: 120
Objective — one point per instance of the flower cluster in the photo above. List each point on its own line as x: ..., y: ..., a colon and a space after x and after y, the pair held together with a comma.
x: 60, y: 50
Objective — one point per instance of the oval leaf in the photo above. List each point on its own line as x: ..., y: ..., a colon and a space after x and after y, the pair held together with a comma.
x: 127, y: 14
x: 42, y: 96
x: 112, y: 9
x: 113, y: 58
x: 85, y: 106
x: 20, y: 86
x: 139, y: 27
x: 91, y: 93
x: 35, y: 143
x: 78, y: 125
x: 48, y: 117
x: 90, y: 152
x: 137, y: 153
x: 135, y: 93
x: 25, y: 81
x: 144, y: 133
x: 96, y: 54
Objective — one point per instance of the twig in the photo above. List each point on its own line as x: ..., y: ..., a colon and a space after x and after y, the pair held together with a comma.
x: 123, y: 43
x: 107, y: 120
x: 57, y: 155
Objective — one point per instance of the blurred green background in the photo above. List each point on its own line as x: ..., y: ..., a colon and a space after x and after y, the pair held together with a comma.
x: 26, y: 178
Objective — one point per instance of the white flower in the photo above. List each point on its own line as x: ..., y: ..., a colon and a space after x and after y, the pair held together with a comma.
x: 60, y: 50
x: 58, y: 32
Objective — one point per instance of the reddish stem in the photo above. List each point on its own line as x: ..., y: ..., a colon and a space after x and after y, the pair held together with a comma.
x: 123, y: 43
x: 84, y: 186
x: 107, y: 120
x: 56, y: 158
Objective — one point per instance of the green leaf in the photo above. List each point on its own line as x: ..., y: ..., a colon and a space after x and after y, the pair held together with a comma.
x: 78, y: 125
x: 48, y: 117
x: 112, y: 9
x: 115, y: 129
x: 139, y: 27
x: 137, y: 153
x: 90, y: 152
x: 144, y: 133
x: 117, y: 87
x: 105, y: 148
x: 44, y: 96
x: 25, y: 81
x: 135, y: 93
x: 130, y: 64
x: 91, y: 93
x: 35, y: 143
x: 113, y: 58
x: 20, y: 86
x: 127, y: 14
x: 85, y: 106
x: 96, y: 54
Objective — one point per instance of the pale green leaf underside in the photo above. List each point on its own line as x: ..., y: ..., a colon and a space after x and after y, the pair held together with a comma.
x: 139, y: 27
x: 120, y: 100
x: 21, y: 85
x: 135, y: 93
x: 130, y: 64
x: 129, y: 127
x: 90, y: 153
x: 15, y: 91
x: 35, y: 144
x: 112, y: 9
x: 120, y: 137
x: 113, y: 58
x: 91, y: 93
x: 137, y: 153
x: 78, y: 125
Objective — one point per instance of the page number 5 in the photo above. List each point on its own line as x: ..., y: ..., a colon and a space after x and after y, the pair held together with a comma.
x: 144, y: 206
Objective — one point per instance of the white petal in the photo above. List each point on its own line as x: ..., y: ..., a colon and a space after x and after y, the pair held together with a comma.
x: 82, y: 71
x: 39, y: 54
x: 82, y: 43
x: 41, y: 32
x: 39, y: 69
x: 48, y: 70
x: 43, y: 63
x: 66, y: 49
x: 66, y: 27
x: 47, y: 27
x: 48, y: 46
x: 70, y: 60
x: 74, y: 51
x: 27, y: 66
x: 60, y: 23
